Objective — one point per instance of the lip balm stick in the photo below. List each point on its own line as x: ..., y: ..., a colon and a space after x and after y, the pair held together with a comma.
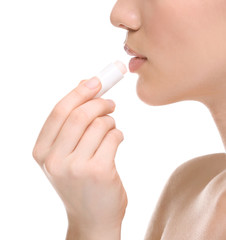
x: 110, y: 75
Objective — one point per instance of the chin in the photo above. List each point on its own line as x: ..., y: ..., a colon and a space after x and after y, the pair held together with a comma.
x: 153, y: 96
x: 147, y: 97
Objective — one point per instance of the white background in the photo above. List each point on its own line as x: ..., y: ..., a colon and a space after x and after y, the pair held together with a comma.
x: 46, y: 48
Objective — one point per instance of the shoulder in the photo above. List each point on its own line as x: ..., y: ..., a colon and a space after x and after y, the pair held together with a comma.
x: 193, y: 175
x: 195, y: 186
x: 201, y: 180
x: 198, y: 188
x: 202, y: 168
x: 201, y: 174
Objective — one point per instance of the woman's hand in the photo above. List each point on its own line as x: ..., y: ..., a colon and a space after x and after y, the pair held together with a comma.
x: 76, y: 149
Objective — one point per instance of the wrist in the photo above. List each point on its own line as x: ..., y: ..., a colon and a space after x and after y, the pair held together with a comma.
x: 73, y: 233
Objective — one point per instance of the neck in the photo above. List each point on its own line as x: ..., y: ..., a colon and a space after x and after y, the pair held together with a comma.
x: 217, y: 108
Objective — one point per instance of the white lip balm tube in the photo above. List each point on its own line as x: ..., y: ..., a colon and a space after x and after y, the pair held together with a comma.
x: 110, y: 75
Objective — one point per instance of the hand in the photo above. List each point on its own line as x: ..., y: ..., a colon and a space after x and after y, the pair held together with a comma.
x: 76, y: 149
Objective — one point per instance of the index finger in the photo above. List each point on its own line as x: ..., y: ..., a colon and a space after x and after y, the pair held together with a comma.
x: 78, y: 96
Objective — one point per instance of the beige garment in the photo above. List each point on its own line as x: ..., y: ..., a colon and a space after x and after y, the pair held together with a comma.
x: 192, y: 205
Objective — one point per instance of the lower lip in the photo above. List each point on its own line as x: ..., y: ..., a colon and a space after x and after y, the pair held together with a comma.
x: 135, y: 63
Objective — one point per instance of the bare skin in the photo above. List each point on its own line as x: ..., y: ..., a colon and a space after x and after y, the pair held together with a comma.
x: 185, y: 45
x: 192, y: 204
x: 76, y: 149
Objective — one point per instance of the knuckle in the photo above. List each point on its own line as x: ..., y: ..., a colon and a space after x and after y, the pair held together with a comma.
x: 98, y: 172
x: 102, y: 172
x: 79, y: 94
x: 98, y: 122
x: 109, y: 106
x: 104, y: 104
x: 103, y: 122
x: 35, y: 153
x: 92, y: 172
x: 110, y: 120
x: 116, y: 135
x: 79, y: 115
x: 59, y: 110
x: 53, y: 167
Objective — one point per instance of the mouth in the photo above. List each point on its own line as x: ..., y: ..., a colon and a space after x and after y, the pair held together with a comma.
x: 131, y: 52
x: 137, y: 61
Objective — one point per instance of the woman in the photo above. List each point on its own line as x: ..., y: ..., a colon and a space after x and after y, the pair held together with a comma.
x: 184, y: 46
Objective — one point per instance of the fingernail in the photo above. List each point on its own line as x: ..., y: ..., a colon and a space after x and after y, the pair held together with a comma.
x: 92, y: 83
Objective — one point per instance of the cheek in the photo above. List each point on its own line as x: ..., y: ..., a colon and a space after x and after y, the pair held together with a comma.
x: 172, y: 31
x: 183, y: 46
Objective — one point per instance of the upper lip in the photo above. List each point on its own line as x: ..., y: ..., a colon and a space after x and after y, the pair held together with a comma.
x: 131, y: 52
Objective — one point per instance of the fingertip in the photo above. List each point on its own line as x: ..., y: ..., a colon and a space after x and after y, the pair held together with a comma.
x: 93, y: 83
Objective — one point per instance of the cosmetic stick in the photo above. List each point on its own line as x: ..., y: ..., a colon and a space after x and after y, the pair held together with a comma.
x: 110, y: 75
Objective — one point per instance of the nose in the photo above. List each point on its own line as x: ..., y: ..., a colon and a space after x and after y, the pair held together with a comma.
x: 125, y: 14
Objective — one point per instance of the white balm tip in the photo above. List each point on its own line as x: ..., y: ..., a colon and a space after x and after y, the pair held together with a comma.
x: 121, y: 66
x: 110, y: 75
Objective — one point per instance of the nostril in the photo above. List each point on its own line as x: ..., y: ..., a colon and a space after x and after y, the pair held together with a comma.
x: 123, y: 26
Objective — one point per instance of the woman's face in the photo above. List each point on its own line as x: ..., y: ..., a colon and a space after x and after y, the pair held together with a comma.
x: 185, y: 45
